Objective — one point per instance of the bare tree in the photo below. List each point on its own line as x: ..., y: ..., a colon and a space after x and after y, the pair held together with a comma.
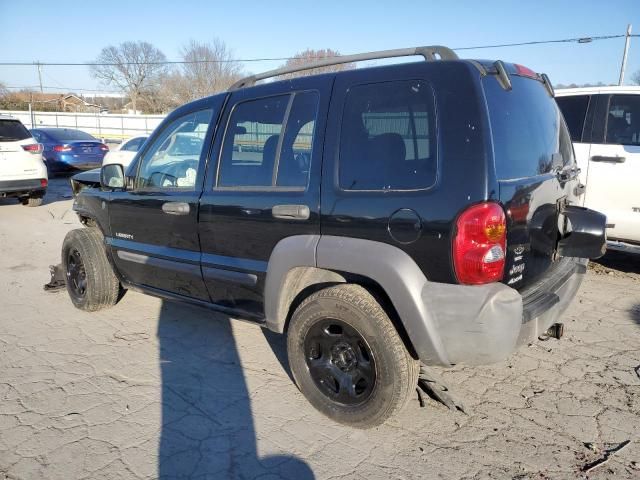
x: 4, y: 91
x: 309, y: 56
x: 211, y: 68
x: 132, y: 66
x: 635, y: 78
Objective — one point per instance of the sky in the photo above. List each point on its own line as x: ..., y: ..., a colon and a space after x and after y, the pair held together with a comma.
x: 67, y: 31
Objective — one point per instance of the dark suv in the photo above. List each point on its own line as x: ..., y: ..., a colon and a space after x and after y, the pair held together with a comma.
x: 379, y: 217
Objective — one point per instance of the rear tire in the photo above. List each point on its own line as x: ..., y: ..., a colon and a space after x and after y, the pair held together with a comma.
x: 32, y: 201
x: 336, y: 338
x: 90, y: 280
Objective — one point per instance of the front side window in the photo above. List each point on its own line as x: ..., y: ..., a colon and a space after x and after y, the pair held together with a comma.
x: 173, y: 158
x: 269, y: 141
x: 574, y: 109
x: 387, y: 141
x: 623, y: 120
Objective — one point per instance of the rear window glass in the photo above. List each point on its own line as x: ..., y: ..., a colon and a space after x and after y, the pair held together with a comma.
x: 387, y: 138
x: 574, y: 110
x: 527, y: 129
x: 12, y: 131
x: 69, y: 135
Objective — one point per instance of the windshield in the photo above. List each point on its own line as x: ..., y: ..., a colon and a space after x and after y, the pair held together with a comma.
x: 12, y: 131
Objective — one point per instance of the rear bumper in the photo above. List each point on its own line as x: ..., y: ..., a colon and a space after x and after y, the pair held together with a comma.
x: 484, y: 324
x: 69, y: 162
x: 10, y: 188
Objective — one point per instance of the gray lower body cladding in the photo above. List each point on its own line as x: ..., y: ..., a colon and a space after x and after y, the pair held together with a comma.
x: 446, y: 323
x: 484, y: 324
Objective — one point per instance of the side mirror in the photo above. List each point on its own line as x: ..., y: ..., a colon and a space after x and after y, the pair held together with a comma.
x: 112, y: 176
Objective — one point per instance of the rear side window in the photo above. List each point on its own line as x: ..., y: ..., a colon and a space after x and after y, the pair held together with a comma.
x: 623, y: 120
x: 529, y: 134
x: 12, y: 131
x: 574, y: 110
x: 387, y: 138
x: 269, y: 142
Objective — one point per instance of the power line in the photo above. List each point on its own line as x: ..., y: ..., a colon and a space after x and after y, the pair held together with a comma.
x: 540, y: 42
x: 273, y: 59
x: 72, y: 89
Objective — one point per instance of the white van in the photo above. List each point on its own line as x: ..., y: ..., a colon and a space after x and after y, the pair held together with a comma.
x: 23, y: 173
x: 605, y: 128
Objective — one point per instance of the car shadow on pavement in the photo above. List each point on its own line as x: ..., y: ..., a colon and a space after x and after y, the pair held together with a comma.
x: 278, y: 344
x: 58, y: 190
x: 621, y: 261
x: 207, y: 422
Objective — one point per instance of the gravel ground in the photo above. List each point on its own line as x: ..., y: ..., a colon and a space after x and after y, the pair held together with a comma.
x: 155, y: 389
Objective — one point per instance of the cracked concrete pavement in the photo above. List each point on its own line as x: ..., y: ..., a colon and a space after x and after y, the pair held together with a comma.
x: 153, y: 389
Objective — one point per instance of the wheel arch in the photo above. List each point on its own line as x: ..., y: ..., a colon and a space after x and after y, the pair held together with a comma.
x: 300, y: 265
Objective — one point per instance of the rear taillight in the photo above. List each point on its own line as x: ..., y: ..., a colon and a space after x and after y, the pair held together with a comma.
x: 61, y: 148
x: 479, y: 244
x: 104, y: 148
x: 33, y: 148
x: 43, y: 182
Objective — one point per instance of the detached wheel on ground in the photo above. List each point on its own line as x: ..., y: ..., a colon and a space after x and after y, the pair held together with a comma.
x: 32, y: 201
x: 347, y: 357
x: 91, y: 283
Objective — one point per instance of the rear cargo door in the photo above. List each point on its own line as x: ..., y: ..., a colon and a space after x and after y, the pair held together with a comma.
x: 535, y: 167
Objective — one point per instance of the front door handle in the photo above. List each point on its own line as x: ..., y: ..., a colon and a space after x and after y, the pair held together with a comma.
x: 291, y: 212
x: 176, y: 208
x: 602, y: 158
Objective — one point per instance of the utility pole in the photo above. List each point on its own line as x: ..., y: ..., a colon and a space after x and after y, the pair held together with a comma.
x: 39, y: 74
x: 624, y: 55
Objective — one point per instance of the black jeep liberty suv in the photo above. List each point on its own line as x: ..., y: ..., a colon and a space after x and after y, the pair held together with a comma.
x: 380, y: 218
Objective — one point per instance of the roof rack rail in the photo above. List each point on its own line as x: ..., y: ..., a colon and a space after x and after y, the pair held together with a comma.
x: 430, y: 53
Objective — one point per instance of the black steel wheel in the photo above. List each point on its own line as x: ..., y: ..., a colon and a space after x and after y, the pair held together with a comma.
x: 91, y: 282
x: 347, y: 357
x: 340, y: 362
x: 76, y: 274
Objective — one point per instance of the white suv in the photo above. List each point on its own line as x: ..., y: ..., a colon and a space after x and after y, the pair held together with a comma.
x: 23, y: 173
x: 605, y: 128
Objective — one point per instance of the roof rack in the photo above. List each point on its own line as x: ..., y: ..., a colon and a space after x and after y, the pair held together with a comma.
x: 430, y: 53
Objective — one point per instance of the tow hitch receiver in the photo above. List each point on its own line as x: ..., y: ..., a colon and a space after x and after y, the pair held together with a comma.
x: 556, y: 331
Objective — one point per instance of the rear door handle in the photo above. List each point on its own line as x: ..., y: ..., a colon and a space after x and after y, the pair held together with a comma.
x: 291, y: 212
x: 602, y: 158
x: 176, y: 208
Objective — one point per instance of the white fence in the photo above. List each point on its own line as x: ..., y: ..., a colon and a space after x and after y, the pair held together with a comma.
x: 107, y: 126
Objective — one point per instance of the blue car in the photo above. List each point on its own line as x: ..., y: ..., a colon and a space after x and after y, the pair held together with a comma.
x: 68, y: 150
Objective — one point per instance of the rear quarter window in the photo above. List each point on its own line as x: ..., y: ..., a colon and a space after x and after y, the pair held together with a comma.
x: 12, y: 131
x: 528, y: 130
x: 387, y: 140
